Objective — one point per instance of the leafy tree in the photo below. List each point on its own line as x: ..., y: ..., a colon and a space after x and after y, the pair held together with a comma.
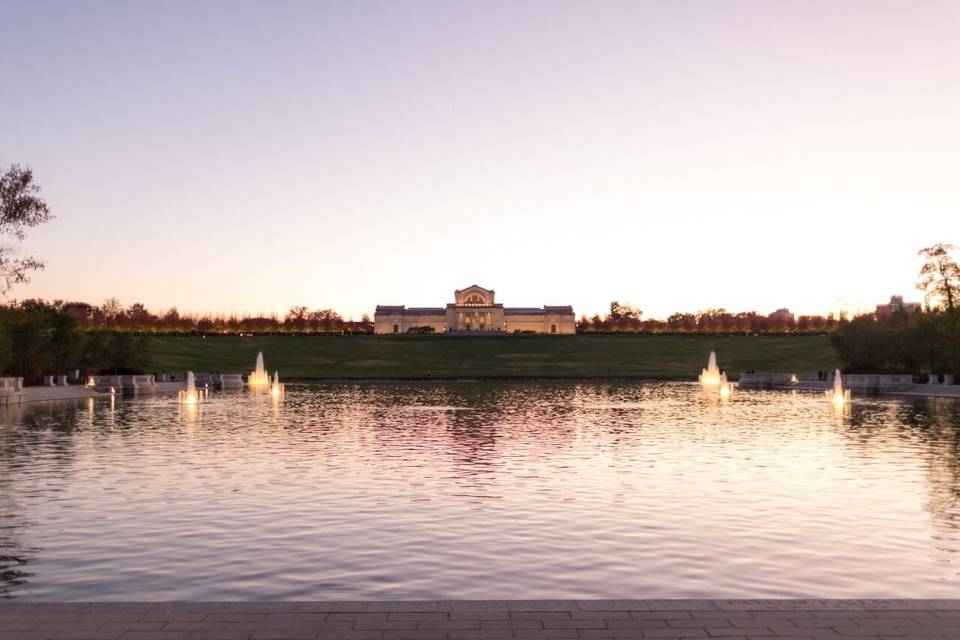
x: 861, y: 344
x: 96, y: 352
x: 139, y: 318
x: 682, y: 322
x: 29, y: 339
x: 620, y: 311
x: 21, y: 208
x: 126, y: 353
x: 940, y: 275
x: 66, y: 343
x: 297, y: 318
x: 5, y: 345
x: 112, y: 310
x: 624, y: 316
x: 929, y: 337
x: 81, y: 312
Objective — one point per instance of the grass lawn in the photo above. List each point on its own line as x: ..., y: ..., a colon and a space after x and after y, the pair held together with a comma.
x: 493, y: 357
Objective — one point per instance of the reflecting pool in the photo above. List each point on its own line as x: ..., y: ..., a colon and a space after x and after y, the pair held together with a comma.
x: 480, y: 490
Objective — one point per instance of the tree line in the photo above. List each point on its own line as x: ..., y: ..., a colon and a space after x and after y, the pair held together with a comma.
x: 904, y: 341
x: 112, y: 316
x: 625, y: 318
x: 38, y: 338
x: 136, y: 318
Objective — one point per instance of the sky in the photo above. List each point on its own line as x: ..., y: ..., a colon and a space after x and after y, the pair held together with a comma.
x: 678, y: 155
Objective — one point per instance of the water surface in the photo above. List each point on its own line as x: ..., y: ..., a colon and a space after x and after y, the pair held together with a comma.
x: 480, y: 490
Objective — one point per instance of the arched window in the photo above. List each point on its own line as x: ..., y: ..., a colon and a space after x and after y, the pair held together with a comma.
x: 475, y: 299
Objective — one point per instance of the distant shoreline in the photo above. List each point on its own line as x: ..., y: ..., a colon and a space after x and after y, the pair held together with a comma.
x: 918, y: 390
x: 53, y: 394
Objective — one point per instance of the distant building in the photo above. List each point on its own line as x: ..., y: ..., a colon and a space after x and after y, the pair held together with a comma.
x: 783, y: 316
x: 895, y: 305
x: 474, y: 310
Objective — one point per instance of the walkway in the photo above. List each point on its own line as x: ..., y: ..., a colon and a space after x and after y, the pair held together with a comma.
x: 69, y: 392
x: 917, y: 390
x: 497, y: 620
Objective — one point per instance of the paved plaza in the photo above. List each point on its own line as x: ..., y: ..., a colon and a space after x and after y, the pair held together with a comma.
x: 494, y: 619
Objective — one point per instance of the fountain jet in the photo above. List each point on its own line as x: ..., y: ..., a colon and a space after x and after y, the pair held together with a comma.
x: 711, y: 377
x: 838, y: 395
x: 190, y: 395
x: 276, y: 388
x: 259, y: 378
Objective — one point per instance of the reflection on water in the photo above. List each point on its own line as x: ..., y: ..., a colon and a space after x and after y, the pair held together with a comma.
x: 480, y: 490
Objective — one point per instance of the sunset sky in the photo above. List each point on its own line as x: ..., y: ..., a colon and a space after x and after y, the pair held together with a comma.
x: 679, y: 155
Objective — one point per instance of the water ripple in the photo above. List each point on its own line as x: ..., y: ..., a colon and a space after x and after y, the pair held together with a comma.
x: 480, y: 490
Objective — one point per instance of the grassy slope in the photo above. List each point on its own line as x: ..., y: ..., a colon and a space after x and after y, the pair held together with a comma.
x: 445, y: 356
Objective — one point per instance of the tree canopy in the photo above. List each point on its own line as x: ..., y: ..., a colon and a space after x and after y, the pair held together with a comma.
x: 21, y: 208
x: 940, y: 276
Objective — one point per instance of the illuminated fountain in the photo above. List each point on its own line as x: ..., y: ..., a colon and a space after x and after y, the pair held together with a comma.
x: 711, y: 377
x: 276, y: 388
x: 190, y: 395
x: 259, y: 378
x: 838, y: 395
x: 726, y: 390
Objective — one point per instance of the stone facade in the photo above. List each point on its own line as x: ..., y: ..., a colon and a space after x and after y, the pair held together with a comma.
x: 475, y: 310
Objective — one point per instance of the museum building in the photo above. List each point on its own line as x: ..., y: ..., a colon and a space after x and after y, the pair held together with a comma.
x: 475, y: 310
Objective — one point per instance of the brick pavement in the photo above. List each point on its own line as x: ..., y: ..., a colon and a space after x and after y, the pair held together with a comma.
x: 493, y: 619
